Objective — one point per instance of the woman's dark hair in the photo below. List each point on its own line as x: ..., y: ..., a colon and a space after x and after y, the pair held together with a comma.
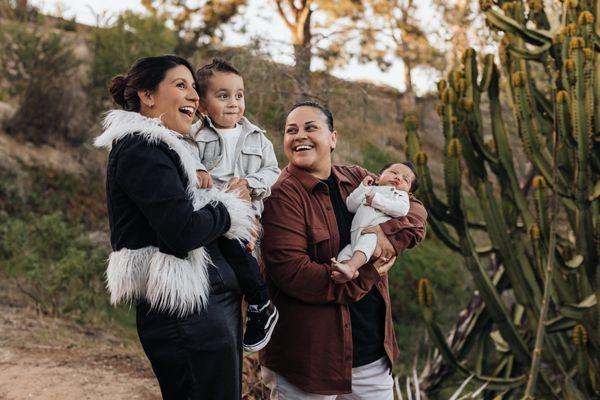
x: 145, y: 74
x: 414, y: 185
x: 319, y: 106
x: 204, y: 74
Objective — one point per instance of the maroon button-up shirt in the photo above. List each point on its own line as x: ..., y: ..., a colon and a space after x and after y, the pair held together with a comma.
x: 312, y: 342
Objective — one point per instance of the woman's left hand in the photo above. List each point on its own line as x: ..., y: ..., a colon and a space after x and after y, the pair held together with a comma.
x: 384, y: 252
x: 239, y: 187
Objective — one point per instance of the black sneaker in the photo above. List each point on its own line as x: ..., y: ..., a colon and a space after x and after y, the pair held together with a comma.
x: 260, y: 323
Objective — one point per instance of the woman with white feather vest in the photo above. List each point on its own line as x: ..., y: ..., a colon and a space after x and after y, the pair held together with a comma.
x: 164, y: 234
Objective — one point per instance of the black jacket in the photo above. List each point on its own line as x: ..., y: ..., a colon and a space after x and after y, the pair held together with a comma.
x: 159, y: 221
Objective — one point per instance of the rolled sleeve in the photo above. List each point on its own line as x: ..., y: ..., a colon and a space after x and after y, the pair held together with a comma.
x: 408, y: 231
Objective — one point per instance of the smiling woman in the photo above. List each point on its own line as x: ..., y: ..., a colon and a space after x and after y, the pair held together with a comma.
x: 335, y: 337
x: 164, y: 234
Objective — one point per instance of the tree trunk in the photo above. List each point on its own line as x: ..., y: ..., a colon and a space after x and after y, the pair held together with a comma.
x: 302, y: 58
x: 21, y: 7
x: 302, y: 55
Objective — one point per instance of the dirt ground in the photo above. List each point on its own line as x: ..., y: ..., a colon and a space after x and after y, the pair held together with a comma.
x: 51, y: 359
x: 55, y: 359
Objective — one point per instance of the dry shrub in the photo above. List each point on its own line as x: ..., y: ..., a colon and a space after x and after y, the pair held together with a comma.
x: 46, y: 81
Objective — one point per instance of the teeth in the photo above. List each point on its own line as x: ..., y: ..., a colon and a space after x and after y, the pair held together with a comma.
x: 187, y: 110
x: 298, y: 148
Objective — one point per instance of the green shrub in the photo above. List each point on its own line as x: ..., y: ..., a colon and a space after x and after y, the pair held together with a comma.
x: 42, y: 72
x: 443, y: 268
x: 54, y: 263
x: 41, y: 190
x: 116, y: 47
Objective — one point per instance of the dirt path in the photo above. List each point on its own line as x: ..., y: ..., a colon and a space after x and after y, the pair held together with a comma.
x: 50, y: 359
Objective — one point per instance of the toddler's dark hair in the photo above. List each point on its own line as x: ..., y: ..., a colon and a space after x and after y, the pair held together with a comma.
x: 415, y: 183
x: 204, y: 74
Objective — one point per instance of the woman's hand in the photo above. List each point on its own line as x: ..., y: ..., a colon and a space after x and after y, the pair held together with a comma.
x: 384, y: 253
x: 204, y: 180
x: 239, y: 187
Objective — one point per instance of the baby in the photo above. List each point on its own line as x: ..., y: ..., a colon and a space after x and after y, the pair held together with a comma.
x: 374, y: 202
x: 227, y: 146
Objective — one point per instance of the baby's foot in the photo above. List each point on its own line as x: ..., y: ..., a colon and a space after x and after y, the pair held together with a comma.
x: 346, y: 271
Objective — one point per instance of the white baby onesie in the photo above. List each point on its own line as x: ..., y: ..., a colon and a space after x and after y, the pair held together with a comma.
x: 387, y: 203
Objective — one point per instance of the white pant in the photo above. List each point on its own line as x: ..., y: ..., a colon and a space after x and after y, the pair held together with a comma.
x: 365, y: 243
x: 369, y: 382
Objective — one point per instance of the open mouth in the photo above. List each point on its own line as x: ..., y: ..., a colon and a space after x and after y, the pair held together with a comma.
x: 303, y: 147
x: 189, y: 111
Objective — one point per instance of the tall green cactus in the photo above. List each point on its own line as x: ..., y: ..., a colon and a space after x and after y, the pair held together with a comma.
x: 561, y: 94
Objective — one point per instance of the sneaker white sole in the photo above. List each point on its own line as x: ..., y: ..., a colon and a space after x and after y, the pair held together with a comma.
x: 260, y: 345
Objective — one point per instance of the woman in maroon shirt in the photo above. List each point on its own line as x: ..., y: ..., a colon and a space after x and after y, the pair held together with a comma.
x: 332, y: 339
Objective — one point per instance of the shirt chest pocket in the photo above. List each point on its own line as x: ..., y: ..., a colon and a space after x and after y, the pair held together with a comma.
x: 318, y: 244
x: 209, y: 150
x: 251, y: 159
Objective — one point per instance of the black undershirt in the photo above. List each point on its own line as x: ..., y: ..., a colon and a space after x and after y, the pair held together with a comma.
x: 368, y: 314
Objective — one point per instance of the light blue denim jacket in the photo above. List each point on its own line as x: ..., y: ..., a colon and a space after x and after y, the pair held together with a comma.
x: 255, y: 158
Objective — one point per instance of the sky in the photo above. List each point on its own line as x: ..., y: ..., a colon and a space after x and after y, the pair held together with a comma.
x: 262, y: 22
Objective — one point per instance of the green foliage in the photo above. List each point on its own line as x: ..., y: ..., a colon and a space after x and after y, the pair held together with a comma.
x: 532, y: 282
x: 431, y: 259
x: 117, y: 46
x: 43, y: 191
x: 54, y: 263
x: 374, y: 158
x: 42, y: 72
x: 19, y: 10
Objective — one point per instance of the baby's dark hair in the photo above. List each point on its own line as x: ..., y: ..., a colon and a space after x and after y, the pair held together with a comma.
x: 319, y: 106
x: 414, y: 185
x: 204, y: 74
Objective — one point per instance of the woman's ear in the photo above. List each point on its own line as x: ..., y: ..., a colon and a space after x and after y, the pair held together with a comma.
x: 146, y: 97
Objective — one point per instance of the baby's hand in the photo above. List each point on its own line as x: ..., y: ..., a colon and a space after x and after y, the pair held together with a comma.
x: 204, y: 180
x: 368, y: 181
x: 342, y: 272
x: 369, y: 198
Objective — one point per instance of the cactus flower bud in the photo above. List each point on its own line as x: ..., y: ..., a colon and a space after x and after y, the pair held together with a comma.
x: 539, y: 182
x: 424, y: 292
x: 585, y: 18
x: 411, y: 123
x: 454, y: 148
x: 571, y: 30
x: 448, y: 96
x: 466, y: 104
x: 576, y: 43
x: 580, y: 335
x: 421, y: 158
x: 518, y: 79
x: 508, y: 7
x: 534, y: 232
x: 440, y: 110
x: 485, y: 5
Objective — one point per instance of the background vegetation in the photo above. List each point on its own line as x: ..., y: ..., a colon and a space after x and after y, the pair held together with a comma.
x: 53, y: 222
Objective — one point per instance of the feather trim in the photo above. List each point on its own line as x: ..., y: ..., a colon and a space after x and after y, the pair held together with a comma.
x: 179, y: 286
x: 119, y: 124
x: 127, y: 273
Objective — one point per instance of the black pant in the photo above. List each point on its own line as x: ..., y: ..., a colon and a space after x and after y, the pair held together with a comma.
x: 246, y: 270
x: 198, y: 357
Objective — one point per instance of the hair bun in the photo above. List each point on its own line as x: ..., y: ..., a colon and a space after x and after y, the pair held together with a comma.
x: 117, y: 87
